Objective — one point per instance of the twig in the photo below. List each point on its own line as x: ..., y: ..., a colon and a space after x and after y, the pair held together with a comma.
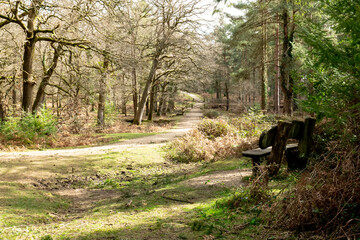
x: 177, y: 200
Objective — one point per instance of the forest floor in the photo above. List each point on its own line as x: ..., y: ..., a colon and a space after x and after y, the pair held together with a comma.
x: 126, y: 190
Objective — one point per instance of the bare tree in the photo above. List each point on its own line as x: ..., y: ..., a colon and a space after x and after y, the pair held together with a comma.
x: 173, y: 19
x: 27, y: 16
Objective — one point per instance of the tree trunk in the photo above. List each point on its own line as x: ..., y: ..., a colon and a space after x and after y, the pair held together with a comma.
x: 147, y: 107
x: 278, y: 148
x: 14, y: 95
x: 123, y: 106
x: 156, y: 103
x: 102, y: 93
x: 152, y: 101
x: 28, y: 82
x: 164, y: 105
x: 227, y: 95
x: 135, y: 94
x: 150, y: 78
x: 101, y: 107
x: 171, y: 100
x: 287, y: 82
x: 2, y: 108
x: 161, y: 100
x: 29, y: 50
x: 40, y: 95
x: 277, y: 68
x: 264, y: 77
x: 218, y: 89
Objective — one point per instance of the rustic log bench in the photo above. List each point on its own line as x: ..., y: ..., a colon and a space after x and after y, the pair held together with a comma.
x: 273, y: 143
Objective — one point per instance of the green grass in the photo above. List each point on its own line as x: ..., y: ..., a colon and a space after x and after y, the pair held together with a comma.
x: 22, y: 205
x: 238, y: 214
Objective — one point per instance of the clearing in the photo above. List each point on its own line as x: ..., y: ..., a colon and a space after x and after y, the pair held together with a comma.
x: 120, y: 191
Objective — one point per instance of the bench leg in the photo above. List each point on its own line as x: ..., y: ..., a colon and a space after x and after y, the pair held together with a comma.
x: 256, y: 165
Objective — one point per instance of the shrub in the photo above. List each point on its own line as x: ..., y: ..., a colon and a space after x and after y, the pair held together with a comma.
x: 214, y: 128
x: 212, y: 140
x: 30, y: 127
x: 193, y: 147
x: 251, y: 125
x: 212, y: 114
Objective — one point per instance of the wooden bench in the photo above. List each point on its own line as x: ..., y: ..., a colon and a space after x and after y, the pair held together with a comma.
x: 272, y: 144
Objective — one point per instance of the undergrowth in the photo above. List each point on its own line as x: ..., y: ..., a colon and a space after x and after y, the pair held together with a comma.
x: 29, y: 128
x: 214, y: 139
x: 321, y: 202
x: 326, y: 199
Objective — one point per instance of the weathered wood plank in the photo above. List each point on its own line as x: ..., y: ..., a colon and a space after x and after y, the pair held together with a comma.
x: 257, y: 152
x: 306, y: 140
x: 278, y: 148
x: 296, y: 130
x: 267, y: 138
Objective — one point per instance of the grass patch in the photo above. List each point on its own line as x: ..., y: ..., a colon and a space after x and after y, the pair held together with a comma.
x: 241, y: 213
x: 24, y: 205
x: 133, y: 193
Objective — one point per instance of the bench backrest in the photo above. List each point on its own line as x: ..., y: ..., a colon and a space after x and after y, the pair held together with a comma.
x: 301, y: 131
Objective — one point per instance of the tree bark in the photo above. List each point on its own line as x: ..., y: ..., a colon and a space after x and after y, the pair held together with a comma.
x: 264, y: 77
x: 40, y: 95
x: 218, y: 89
x: 28, y: 82
x: 135, y: 93
x: 102, y: 94
x: 164, y: 106
x: 277, y: 68
x: 150, y: 78
x: 2, y: 108
x: 29, y: 49
x: 171, y: 100
x: 152, y: 101
x: 147, y: 107
x: 227, y: 95
x: 287, y: 82
x: 163, y: 98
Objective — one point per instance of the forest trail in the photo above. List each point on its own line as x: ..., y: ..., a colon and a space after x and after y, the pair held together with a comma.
x: 186, y: 123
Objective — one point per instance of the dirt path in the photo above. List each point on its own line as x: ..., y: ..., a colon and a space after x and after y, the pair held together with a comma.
x: 188, y: 121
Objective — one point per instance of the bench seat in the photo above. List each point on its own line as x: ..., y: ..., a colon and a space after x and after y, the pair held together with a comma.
x: 258, y: 152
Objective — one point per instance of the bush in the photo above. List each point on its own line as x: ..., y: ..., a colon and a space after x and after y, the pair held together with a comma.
x: 252, y: 125
x: 212, y: 140
x: 214, y: 128
x: 30, y: 127
x: 193, y: 147
x: 212, y: 114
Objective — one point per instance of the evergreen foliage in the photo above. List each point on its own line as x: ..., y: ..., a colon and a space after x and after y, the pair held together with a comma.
x: 333, y: 63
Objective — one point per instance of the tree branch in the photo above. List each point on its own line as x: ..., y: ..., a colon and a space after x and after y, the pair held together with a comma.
x: 67, y: 42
